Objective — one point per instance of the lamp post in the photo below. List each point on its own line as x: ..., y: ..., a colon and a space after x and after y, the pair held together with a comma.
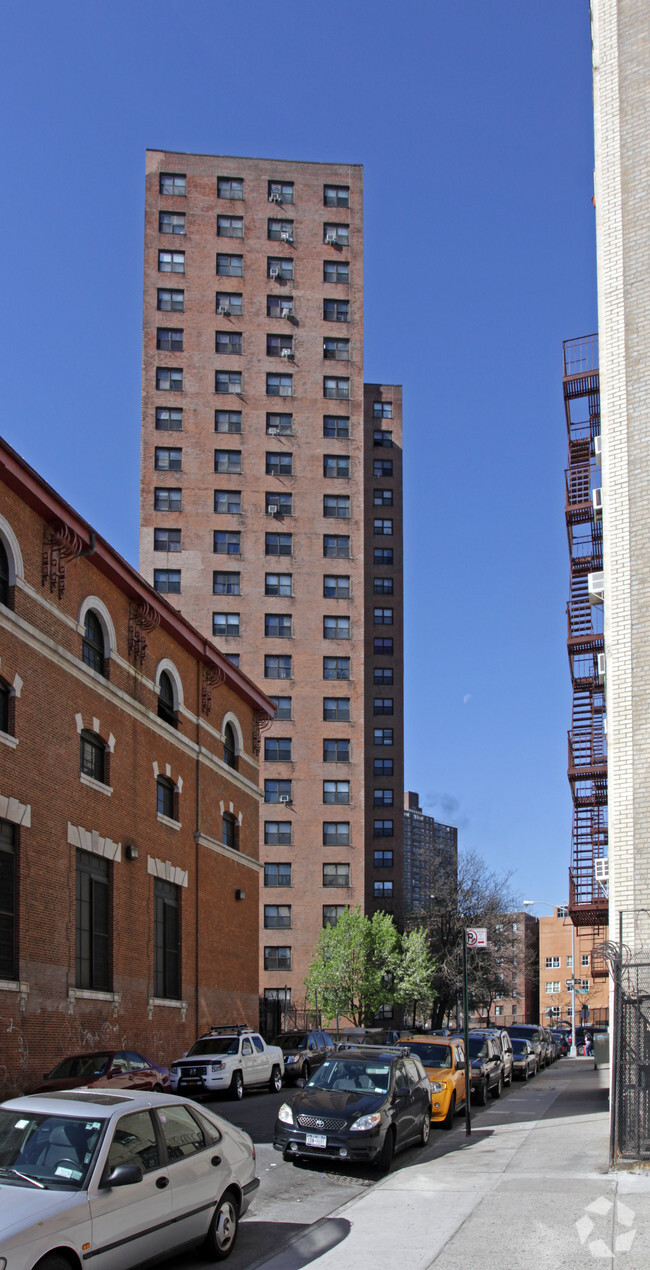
x: 530, y: 904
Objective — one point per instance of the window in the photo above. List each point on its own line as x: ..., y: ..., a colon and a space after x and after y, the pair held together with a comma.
x: 382, y: 890
x: 584, y: 984
x: 277, y: 959
x: 227, y: 542
x: 169, y: 339
x: 383, y: 705
x: 92, y: 646
x: 167, y: 581
x: 336, y: 667
x: 382, y: 437
x: 277, y: 833
x: 6, y: 702
x: 552, y: 985
x: 382, y: 647
x: 229, y: 303
x: 569, y: 962
x: 277, y: 792
x: 279, y: 424
x: 230, y: 227
x: 279, y: 385
x: 382, y: 497
x: 92, y: 922
x: 382, y: 586
x: 277, y: 875
x: 165, y: 798
x: 382, y: 467
x: 336, y: 875
x: 336, y: 708
x: 336, y: 833
x: 282, y: 707
x: 336, y: 750
x: 382, y: 409
x: 230, y: 187
x: 382, y: 675
x: 382, y: 798
x: 336, y: 310
x: 230, y: 831
x: 338, y: 388
x: 280, y: 267
x: 382, y: 736
x: 168, y: 420
x: 277, y: 625
x: 280, y: 230
x: 336, y: 465
x: 173, y: 183
x: 382, y: 555
x: 279, y: 306
x: 336, y: 628
x: 227, y: 501
x: 277, y: 749
x: 168, y: 379
x: 336, y: 350
x: 383, y: 617
x: 383, y: 859
x: 337, y: 546
x: 230, y: 266
x: 166, y: 940
x: 279, y: 345
x: 166, y: 702
x: 228, y: 381
x: 277, y: 916
x: 171, y: 262
x: 278, y: 583
x: 225, y: 624
x: 336, y: 792
x: 228, y: 343
x: 171, y: 222
x: 336, y: 271
x: 331, y: 913
x: 233, y: 658
x: 383, y: 828
x: 382, y: 527
x: 8, y: 900
x: 92, y: 757
x: 227, y: 421
x: 280, y: 191
x: 227, y: 461
x: 562, y: 911
x: 336, y: 506
x: 276, y: 667
x: 336, y: 235
x: 336, y: 426
x: 229, y: 747
x: 336, y: 195
x: 552, y: 963
x: 336, y: 586
x: 279, y: 464
x: 167, y: 500
x: 584, y: 959
x: 166, y: 539
x: 171, y: 301
x: 382, y: 767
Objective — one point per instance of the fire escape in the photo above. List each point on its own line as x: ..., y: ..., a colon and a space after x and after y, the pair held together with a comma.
x: 587, y: 765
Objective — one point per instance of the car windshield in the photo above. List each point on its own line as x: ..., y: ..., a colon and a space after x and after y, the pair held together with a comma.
x: 81, y: 1067
x: 477, y: 1047
x: 430, y: 1054
x: 528, y: 1034
x: 294, y: 1041
x: 351, y: 1077
x: 46, y: 1151
x: 214, y: 1045
x: 519, y: 1047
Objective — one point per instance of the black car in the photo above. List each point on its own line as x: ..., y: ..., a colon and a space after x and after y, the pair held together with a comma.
x: 303, y: 1052
x: 530, y: 1032
x: 361, y: 1105
x: 525, y: 1058
x: 486, y: 1067
x: 562, y: 1041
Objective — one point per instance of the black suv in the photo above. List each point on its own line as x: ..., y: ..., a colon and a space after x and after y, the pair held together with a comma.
x: 362, y: 1104
x: 303, y: 1052
x: 486, y: 1067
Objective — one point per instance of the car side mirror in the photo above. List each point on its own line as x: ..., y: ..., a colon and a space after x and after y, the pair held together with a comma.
x: 402, y: 1091
x: 460, y: 1065
x: 124, y: 1175
x: 301, y: 1082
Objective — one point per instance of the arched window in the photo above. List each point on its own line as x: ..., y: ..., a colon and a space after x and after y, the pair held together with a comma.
x: 4, y: 574
x: 229, y: 746
x: 93, y: 643
x: 93, y: 757
x: 166, y: 704
x: 165, y: 798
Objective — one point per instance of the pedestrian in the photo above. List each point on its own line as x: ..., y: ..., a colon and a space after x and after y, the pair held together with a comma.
x: 588, y: 1046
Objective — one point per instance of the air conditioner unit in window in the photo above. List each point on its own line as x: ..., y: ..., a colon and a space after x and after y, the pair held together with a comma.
x: 273, y: 271
x: 286, y: 798
x: 330, y: 239
x: 222, y: 309
x: 601, y: 668
x: 287, y: 352
x: 597, y: 499
x: 598, y: 448
x: 272, y: 429
x: 596, y: 587
x: 275, y: 198
x: 272, y: 509
x: 601, y: 869
x: 285, y: 236
x: 285, y: 310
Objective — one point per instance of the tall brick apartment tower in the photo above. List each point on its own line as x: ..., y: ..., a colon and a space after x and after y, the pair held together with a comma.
x: 271, y: 512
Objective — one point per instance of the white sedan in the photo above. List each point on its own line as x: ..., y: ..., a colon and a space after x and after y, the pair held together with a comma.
x: 115, y: 1179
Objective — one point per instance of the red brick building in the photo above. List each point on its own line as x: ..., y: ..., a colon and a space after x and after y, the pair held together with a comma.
x: 129, y: 802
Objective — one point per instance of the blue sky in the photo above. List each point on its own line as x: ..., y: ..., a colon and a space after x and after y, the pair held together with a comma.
x: 473, y: 122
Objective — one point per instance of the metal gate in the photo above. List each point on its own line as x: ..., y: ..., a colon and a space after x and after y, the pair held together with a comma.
x: 631, y: 1127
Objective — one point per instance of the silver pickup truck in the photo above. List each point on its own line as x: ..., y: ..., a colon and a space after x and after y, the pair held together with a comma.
x: 230, y: 1058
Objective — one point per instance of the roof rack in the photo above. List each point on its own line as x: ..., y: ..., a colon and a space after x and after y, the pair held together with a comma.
x: 376, y: 1049
x: 230, y: 1028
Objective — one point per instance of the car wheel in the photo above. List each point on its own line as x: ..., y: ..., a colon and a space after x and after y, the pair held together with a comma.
x: 387, y: 1152
x: 237, y: 1086
x: 496, y: 1090
x: 157, y: 1089
x: 448, y: 1122
x: 53, y: 1262
x: 222, y: 1234
x: 275, y: 1083
x: 481, y: 1093
x: 425, y: 1132
x: 305, y: 1070
x: 525, y: 1074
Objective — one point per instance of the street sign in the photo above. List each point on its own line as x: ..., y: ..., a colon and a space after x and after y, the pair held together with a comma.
x: 476, y: 936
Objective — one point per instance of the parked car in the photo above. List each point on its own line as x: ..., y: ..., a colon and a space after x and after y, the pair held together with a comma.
x: 524, y: 1059
x: 562, y: 1041
x: 443, y: 1059
x: 529, y: 1032
x: 303, y: 1052
x: 503, y: 1041
x: 486, y: 1068
x: 228, y: 1059
x: 117, y: 1178
x: 360, y: 1105
x: 121, y: 1069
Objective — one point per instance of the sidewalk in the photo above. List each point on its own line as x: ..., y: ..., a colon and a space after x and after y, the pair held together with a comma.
x: 528, y: 1191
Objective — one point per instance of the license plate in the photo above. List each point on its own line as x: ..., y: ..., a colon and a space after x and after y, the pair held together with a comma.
x: 316, y: 1140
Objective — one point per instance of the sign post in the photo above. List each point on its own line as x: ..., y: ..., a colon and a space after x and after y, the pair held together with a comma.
x: 475, y: 937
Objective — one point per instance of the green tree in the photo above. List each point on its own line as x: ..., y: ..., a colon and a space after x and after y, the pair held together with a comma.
x: 355, y: 965
x: 414, y: 977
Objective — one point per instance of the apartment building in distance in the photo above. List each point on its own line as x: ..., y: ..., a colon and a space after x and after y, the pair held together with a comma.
x: 556, y: 972
x: 430, y: 858
x: 271, y: 512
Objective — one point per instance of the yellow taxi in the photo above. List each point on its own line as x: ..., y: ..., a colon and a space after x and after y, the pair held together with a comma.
x: 443, y: 1059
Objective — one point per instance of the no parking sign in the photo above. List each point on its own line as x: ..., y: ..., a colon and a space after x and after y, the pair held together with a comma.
x: 476, y: 936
